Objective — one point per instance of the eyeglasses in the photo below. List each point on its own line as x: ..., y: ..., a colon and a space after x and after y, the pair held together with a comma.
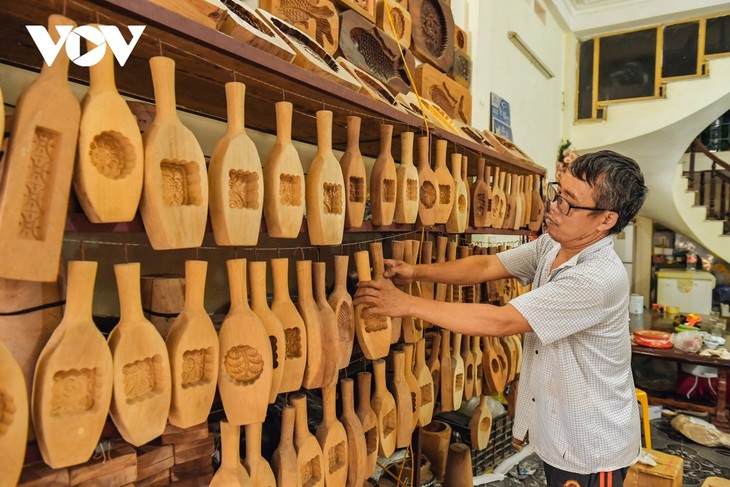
x: 563, y: 205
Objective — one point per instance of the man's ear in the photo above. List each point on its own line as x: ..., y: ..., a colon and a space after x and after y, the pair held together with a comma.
x: 608, y: 221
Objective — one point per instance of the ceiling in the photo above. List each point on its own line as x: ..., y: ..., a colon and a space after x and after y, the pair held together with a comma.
x: 588, y: 18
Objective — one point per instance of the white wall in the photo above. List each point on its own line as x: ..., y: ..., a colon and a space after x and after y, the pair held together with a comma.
x: 498, y: 66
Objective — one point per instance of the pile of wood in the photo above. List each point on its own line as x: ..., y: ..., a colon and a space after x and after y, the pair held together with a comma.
x: 192, y: 450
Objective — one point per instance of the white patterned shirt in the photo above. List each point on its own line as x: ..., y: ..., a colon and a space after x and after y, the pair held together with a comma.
x: 576, y: 396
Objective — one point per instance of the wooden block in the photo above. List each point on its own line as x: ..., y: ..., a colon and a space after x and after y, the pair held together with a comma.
x: 366, y: 8
x: 173, y: 434
x: 453, y: 98
x: 41, y: 475
x: 148, y: 455
x: 181, y: 477
x: 155, y: 461
x: 371, y: 86
x: 461, y: 70
x: 371, y: 50
x: 114, y: 479
x: 461, y: 39
x: 159, y: 479
x: 242, y: 23
x: 206, y: 12
x: 317, y: 18
x: 200, y: 481
x: 506, y: 146
x: 154, y: 469
x: 310, y: 55
x: 118, y: 464
x: 401, y: 21
x: 201, y: 464
x: 432, y: 32
x: 193, y: 451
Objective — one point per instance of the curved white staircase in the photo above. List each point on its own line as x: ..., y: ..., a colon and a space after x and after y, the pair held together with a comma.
x: 656, y: 133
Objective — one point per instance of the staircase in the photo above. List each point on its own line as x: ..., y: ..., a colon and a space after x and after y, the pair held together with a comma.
x: 656, y: 133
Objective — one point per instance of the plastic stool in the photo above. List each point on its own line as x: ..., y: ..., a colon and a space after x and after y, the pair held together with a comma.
x: 644, y: 401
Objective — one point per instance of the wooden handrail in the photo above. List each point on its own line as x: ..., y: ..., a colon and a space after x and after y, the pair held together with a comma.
x: 701, y: 148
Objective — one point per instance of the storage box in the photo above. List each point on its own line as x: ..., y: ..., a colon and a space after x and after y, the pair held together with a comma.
x: 667, y: 472
x: 690, y: 291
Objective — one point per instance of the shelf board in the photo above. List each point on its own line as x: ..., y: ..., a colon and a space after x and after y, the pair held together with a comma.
x: 79, y: 223
x: 206, y: 59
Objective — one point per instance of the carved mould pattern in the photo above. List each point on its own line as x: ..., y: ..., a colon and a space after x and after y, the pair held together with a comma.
x: 389, y: 190
x: 244, y: 364
x: 73, y: 391
x: 390, y: 423
x: 290, y: 190
x: 426, y: 394
x: 344, y: 321
x: 459, y: 382
x: 482, y: 204
x: 428, y: 194
x: 332, y: 198
x: 382, y: 63
x: 357, y: 189
x: 274, y: 351
x: 300, y: 12
x: 462, y: 203
x: 434, y: 27
x: 7, y: 411
x: 336, y: 457
x: 399, y: 21
x: 293, y: 337
x: 243, y: 189
x: 375, y: 323
x: 34, y: 212
x: 311, y: 472
x: 112, y: 154
x: 181, y: 183
x: 197, y: 367
x: 248, y: 17
x: 453, y: 107
x: 371, y: 440
x: 444, y: 194
x: 142, y: 379
x: 411, y: 189
x: 485, y: 425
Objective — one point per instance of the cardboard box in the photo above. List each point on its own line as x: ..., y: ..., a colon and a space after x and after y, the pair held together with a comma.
x: 667, y: 472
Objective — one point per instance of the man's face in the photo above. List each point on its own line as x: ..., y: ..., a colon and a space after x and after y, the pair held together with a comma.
x: 579, y: 225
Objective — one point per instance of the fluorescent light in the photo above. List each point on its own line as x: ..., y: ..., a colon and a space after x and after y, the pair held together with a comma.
x: 529, y: 54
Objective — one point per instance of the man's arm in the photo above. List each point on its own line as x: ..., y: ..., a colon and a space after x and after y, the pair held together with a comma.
x: 382, y: 298
x: 470, y: 270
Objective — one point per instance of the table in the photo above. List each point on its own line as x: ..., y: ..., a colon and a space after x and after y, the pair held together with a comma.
x: 719, y: 412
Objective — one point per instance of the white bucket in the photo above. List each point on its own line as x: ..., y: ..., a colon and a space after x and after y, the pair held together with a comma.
x: 636, y: 304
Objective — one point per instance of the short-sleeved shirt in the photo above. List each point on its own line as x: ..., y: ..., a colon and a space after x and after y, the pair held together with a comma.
x: 576, y: 395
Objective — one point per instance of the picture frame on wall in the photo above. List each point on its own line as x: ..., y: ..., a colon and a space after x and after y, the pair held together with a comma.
x: 501, y: 117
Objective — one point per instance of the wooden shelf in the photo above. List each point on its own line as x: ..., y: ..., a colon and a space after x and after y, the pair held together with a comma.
x: 206, y: 59
x: 78, y: 223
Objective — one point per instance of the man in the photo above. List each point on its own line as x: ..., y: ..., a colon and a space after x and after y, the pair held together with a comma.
x: 576, y: 395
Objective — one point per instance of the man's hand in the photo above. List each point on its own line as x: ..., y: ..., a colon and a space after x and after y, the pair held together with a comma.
x: 518, y: 444
x: 400, y: 272
x: 381, y: 297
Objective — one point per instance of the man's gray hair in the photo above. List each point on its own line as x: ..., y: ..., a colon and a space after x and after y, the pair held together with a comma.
x: 617, y: 183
